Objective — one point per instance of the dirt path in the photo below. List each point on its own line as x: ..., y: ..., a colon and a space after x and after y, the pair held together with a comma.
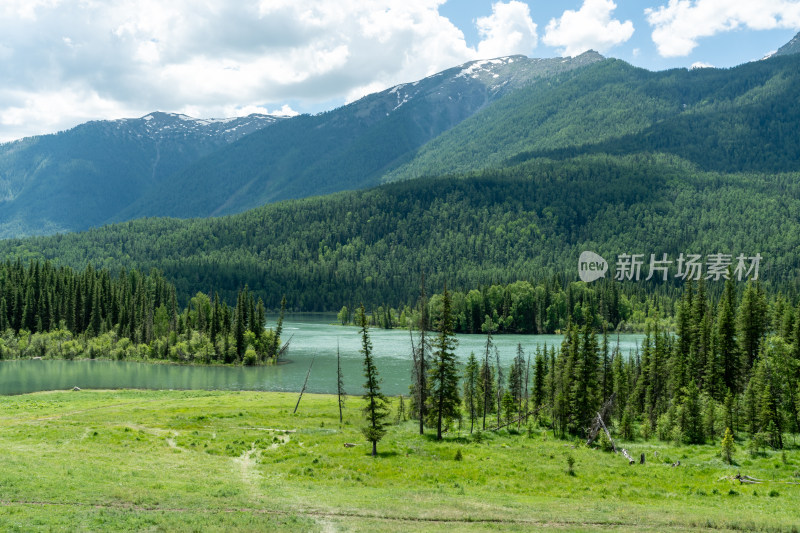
x: 249, y: 474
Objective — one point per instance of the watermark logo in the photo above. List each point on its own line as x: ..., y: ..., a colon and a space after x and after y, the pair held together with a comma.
x: 591, y: 266
x: 630, y: 267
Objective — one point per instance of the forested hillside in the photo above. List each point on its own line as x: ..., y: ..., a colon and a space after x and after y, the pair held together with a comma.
x: 720, y: 119
x: 527, y: 222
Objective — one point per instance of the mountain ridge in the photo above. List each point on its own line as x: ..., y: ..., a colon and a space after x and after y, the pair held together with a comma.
x: 84, y: 176
x: 349, y: 147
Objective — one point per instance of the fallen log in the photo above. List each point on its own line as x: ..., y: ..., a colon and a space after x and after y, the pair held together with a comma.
x: 627, y: 456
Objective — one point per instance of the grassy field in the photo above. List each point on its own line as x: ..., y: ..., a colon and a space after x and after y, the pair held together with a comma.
x: 221, y: 461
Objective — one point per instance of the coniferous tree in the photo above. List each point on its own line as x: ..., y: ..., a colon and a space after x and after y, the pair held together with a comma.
x: 240, y: 324
x: 726, y: 344
x: 692, y: 426
x: 751, y: 324
x: 487, y: 386
x: 500, y: 382
x: 585, y: 390
x: 700, y: 332
x: 606, y: 372
x: 444, y: 399
x: 419, y: 387
x: 682, y: 368
x: 340, y: 393
x: 727, y: 446
x: 516, y: 380
x: 621, y: 381
x: 471, y: 381
x: 485, y: 391
x: 539, y: 377
x: 376, y: 410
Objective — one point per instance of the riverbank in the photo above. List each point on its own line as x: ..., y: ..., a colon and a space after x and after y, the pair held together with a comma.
x: 221, y: 461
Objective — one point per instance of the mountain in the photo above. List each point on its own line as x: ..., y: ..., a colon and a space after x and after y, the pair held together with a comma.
x: 350, y: 147
x: 742, y: 118
x: 488, y: 114
x: 792, y: 47
x: 529, y: 221
x: 84, y: 176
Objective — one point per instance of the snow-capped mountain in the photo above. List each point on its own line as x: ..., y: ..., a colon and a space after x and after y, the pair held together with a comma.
x: 160, y: 125
x: 82, y: 177
x: 350, y: 147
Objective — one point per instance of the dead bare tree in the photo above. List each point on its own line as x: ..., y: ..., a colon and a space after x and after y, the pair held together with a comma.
x: 304, y: 384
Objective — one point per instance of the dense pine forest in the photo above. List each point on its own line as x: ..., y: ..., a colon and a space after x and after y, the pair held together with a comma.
x: 527, y: 222
x: 534, y: 308
x: 60, y: 313
x: 731, y: 365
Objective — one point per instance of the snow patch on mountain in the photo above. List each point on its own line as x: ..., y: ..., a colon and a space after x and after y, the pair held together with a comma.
x: 161, y: 125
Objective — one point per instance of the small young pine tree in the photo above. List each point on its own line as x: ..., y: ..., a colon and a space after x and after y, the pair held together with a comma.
x: 727, y: 446
x: 400, y: 416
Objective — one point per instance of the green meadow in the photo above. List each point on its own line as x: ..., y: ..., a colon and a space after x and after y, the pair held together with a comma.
x: 218, y: 461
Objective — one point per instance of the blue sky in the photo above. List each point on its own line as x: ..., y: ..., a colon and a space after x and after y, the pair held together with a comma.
x: 64, y: 62
x: 723, y: 49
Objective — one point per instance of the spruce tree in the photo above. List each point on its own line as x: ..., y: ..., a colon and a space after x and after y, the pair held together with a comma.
x: 539, y: 377
x: 419, y: 385
x: 726, y: 344
x: 376, y: 411
x: 444, y: 399
x: 751, y: 324
x: 692, y: 426
x: 471, y: 380
x: 585, y: 388
x: 487, y: 383
x: 340, y: 393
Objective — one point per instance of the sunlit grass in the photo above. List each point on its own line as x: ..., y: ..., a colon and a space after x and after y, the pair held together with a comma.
x: 205, y: 461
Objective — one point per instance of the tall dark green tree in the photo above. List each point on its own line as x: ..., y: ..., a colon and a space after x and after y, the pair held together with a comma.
x: 751, y: 324
x: 585, y: 394
x: 340, y: 393
x: 487, y: 381
x: 727, y: 348
x: 444, y: 399
x: 471, y: 398
x: 539, y: 377
x: 419, y: 371
x: 516, y: 381
x: 376, y: 410
x: 692, y: 423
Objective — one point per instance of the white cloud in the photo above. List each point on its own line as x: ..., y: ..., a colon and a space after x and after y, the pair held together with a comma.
x: 678, y: 25
x: 701, y: 64
x: 29, y: 114
x: 591, y: 27
x: 508, y: 30
x: 101, y: 59
x: 283, y: 111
